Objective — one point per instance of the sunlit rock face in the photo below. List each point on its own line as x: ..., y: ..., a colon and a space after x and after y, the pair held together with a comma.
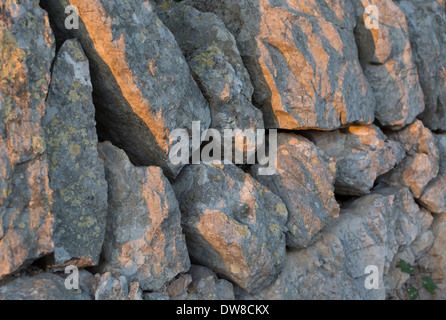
x: 233, y: 224
x: 304, y: 181
x: 434, y: 195
x: 302, y: 59
x: 143, y: 240
x: 421, y: 163
x: 426, y: 20
x: 370, y: 231
x: 362, y: 152
x: 212, y: 53
x: 142, y: 84
x: 26, y: 51
x: 386, y: 58
x: 75, y: 171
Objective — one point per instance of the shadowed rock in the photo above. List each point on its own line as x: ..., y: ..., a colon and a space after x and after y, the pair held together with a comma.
x: 426, y: 20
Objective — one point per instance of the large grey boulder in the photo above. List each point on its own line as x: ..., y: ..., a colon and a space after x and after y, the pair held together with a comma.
x: 144, y: 240
x: 302, y: 59
x: 426, y: 20
x: 233, y: 224
x: 304, y: 181
x: 362, y: 152
x: 26, y: 51
x: 212, y: 53
x: 76, y: 173
x: 421, y: 163
x: 433, y: 196
x: 143, y: 89
x: 386, y: 58
x: 370, y: 231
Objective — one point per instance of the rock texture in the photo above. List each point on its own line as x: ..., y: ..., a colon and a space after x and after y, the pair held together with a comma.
x: 426, y: 21
x: 421, y: 164
x: 370, y: 231
x: 362, y: 154
x: 45, y: 286
x: 304, y: 182
x: 434, y: 195
x: 75, y: 171
x: 142, y: 84
x: 144, y: 240
x: 26, y: 51
x: 212, y: 54
x: 233, y: 224
x: 302, y: 59
x: 206, y: 285
x: 386, y: 58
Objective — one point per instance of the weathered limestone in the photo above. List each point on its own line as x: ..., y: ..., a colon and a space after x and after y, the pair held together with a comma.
x: 143, y: 89
x: 211, y: 51
x: 26, y: 52
x: 76, y: 173
x: 233, y: 224
x: 426, y: 20
x: 304, y: 182
x: 44, y: 286
x: 302, y: 59
x: 434, y: 195
x: 421, y: 164
x: 143, y: 240
x: 370, y: 231
x: 362, y: 152
x: 386, y: 58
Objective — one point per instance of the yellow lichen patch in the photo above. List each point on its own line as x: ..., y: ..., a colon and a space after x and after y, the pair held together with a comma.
x: 281, y: 209
x: 74, y: 150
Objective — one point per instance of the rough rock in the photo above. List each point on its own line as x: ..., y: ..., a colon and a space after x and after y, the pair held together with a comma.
x: 206, y: 285
x: 386, y: 58
x: 111, y: 287
x: 370, y: 231
x: 304, y: 181
x: 177, y: 289
x: 75, y: 171
x: 143, y: 88
x: 44, y: 286
x: 434, y: 195
x: 421, y: 164
x: 362, y: 152
x: 212, y: 53
x: 302, y: 59
x: 143, y: 240
x: 426, y: 20
x: 26, y: 51
x: 233, y: 224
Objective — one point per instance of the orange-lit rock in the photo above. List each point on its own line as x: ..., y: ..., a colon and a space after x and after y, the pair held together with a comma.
x: 143, y: 240
x: 302, y: 59
x: 142, y: 84
x: 304, y: 182
x: 233, y: 224
x: 362, y: 154
x: 386, y: 58
x: 26, y: 51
